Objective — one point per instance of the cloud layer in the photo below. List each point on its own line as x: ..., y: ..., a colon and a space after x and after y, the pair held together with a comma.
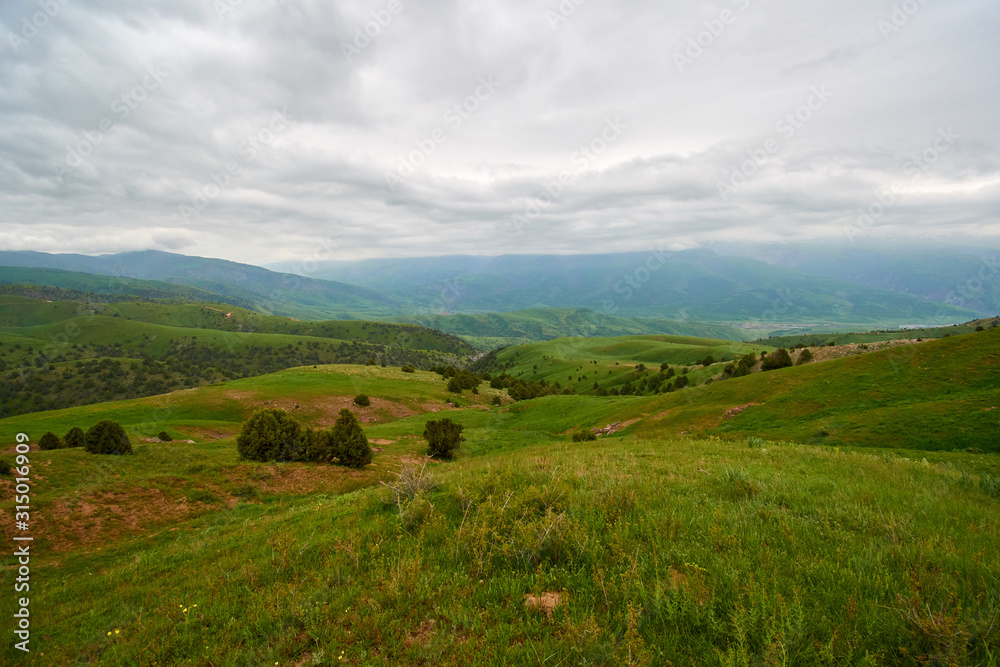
x: 267, y: 130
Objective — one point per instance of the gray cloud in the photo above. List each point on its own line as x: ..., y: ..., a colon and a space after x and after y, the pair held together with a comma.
x: 153, y: 126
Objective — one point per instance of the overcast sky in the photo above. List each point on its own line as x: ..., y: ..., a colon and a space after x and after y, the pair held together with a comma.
x: 268, y: 130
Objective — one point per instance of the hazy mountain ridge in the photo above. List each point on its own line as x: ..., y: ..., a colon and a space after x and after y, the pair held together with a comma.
x: 251, y: 286
x: 686, y: 285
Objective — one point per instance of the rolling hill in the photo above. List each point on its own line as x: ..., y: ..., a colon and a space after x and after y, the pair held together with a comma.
x: 644, y: 547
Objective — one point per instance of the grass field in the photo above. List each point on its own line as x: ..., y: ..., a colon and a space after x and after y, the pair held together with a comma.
x: 743, y: 542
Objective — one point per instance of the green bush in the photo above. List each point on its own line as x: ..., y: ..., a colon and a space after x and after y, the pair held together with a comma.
x: 50, y: 441
x: 164, y: 436
x: 778, y: 359
x: 319, y: 446
x: 443, y: 438
x: 4, y: 467
x: 409, y: 369
x: 362, y: 400
x: 271, y: 435
x: 584, y: 435
x: 75, y: 438
x: 107, y: 437
x: 349, y: 442
x: 454, y: 386
x: 805, y: 356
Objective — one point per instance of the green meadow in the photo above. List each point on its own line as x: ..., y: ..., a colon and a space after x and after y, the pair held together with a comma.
x: 846, y: 513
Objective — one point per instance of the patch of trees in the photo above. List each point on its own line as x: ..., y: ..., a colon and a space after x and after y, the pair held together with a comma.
x: 271, y: 434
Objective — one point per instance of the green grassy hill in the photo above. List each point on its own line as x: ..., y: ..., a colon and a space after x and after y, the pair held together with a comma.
x: 578, y: 363
x: 490, y: 330
x: 643, y: 547
x: 846, y: 338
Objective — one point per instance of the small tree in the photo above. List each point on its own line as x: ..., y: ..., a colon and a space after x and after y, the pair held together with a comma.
x: 409, y: 369
x: 350, y: 444
x: 75, y: 438
x: 164, y: 437
x: 454, y: 386
x: 805, y: 356
x: 443, y: 438
x: 271, y: 435
x: 362, y: 400
x: 50, y: 441
x: 107, y: 437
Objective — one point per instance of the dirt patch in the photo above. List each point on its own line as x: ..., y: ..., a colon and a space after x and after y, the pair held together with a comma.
x: 382, y: 441
x: 660, y: 415
x: 100, y: 517
x: 421, y: 635
x: 614, y: 428
x: 732, y: 412
x: 545, y: 603
x: 295, y: 480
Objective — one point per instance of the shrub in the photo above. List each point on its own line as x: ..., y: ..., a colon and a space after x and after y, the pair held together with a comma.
x: 50, y: 441
x: 584, y: 435
x: 454, y: 386
x: 778, y: 359
x: 75, y: 438
x: 107, y: 437
x: 805, y: 356
x: 409, y: 369
x: 443, y: 438
x: 497, y: 400
x: 270, y: 435
x: 318, y: 446
x: 349, y: 442
x: 370, y: 362
x: 362, y: 400
x: 4, y: 467
x: 164, y: 436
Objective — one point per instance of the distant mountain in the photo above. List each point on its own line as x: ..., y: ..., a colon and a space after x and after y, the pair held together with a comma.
x: 959, y: 275
x: 245, y: 285
x: 698, y: 285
